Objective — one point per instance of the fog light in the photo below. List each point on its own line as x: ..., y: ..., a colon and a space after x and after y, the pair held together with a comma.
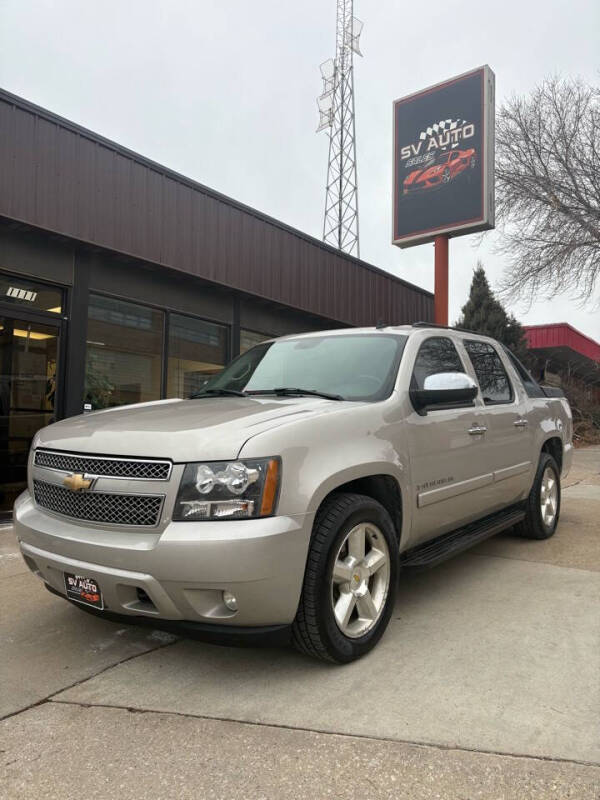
x: 230, y: 600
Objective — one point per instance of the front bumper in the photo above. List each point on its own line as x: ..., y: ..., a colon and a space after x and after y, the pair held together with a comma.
x: 211, y: 632
x: 179, y: 574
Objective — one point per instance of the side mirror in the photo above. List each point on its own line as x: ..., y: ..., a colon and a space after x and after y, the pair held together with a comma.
x: 444, y: 389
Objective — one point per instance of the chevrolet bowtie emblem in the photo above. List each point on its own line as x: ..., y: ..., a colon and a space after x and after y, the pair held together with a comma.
x: 77, y: 483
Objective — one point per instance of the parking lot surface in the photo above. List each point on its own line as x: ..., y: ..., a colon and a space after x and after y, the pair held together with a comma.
x: 485, y: 686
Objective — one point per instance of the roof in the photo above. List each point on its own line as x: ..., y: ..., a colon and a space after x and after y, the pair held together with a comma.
x: 561, y: 334
x: 65, y: 179
x: 566, y: 349
x: 426, y: 329
x: 380, y: 330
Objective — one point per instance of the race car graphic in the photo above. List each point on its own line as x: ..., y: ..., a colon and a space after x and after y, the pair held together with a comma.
x: 443, y: 170
x: 90, y: 597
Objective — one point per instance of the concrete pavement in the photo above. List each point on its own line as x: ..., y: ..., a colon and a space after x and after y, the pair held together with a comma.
x: 491, y: 654
x: 486, y: 685
x: 65, y: 751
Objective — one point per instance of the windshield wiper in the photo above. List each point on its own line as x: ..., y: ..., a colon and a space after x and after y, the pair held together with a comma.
x: 291, y: 391
x: 218, y: 393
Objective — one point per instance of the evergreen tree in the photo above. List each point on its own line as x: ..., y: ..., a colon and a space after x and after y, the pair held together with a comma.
x: 483, y: 313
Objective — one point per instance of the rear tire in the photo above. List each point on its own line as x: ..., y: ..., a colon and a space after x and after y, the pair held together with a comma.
x: 543, y: 503
x: 347, y: 600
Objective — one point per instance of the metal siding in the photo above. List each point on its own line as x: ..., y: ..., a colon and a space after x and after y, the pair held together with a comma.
x: 6, y: 157
x: 153, y: 222
x: 46, y: 146
x: 56, y: 176
x: 561, y: 334
x: 168, y: 251
x: 104, y: 191
x: 227, y: 246
x: 24, y: 183
x: 198, y: 214
x: 65, y: 201
x: 139, y: 207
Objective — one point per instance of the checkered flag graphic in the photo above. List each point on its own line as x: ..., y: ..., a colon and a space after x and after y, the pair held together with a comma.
x: 441, y: 127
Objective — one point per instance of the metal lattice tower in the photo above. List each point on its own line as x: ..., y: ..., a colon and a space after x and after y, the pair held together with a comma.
x: 336, y: 111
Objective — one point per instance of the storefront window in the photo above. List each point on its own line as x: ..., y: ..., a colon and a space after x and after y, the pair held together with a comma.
x: 197, y: 349
x: 249, y: 338
x: 124, y: 353
x: 30, y: 295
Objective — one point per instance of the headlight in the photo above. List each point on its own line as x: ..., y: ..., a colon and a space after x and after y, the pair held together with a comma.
x: 228, y: 490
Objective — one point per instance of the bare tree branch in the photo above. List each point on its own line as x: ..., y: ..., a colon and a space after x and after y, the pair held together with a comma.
x: 548, y: 190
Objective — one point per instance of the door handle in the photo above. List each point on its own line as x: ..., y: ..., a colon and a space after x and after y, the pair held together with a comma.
x: 477, y: 430
x: 521, y: 423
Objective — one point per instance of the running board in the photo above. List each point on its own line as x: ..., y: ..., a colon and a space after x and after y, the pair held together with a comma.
x: 437, y: 550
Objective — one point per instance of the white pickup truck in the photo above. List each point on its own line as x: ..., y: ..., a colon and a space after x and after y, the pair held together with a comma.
x: 282, y: 500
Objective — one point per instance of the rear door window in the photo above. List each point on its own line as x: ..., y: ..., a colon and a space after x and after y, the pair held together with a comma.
x: 493, y: 380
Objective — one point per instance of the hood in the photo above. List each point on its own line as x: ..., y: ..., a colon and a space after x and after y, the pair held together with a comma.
x: 212, y: 429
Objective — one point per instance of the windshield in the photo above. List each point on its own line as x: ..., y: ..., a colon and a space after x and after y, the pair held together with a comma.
x: 355, y: 367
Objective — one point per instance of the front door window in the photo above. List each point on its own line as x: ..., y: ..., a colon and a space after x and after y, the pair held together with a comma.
x: 28, y: 362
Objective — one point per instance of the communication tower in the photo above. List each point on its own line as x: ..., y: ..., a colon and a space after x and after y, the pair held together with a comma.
x: 336, y: 115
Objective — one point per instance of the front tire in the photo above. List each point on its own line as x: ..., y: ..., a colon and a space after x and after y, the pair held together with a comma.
x: 350, y: 580
x: 543, y: 503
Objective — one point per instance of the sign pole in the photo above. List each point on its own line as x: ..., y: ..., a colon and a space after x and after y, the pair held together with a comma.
x: 441, y: 280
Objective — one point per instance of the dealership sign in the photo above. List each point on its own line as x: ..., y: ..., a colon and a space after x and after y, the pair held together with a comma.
x: 444, y: 159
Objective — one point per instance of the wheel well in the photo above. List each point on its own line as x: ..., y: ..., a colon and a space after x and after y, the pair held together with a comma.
x: 554, y: 447
x: 383, y: 488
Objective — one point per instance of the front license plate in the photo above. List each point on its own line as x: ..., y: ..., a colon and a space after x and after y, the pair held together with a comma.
x: 84, y: 590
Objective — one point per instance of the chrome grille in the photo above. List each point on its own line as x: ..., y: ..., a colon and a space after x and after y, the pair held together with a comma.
x: 107, y: 466
x: 106, y: 507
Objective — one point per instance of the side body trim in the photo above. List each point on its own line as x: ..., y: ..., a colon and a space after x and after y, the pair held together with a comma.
x: 453, y: 490
x: 510, y: 472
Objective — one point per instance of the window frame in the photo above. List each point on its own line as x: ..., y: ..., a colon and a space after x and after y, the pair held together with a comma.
x: 488, y: 403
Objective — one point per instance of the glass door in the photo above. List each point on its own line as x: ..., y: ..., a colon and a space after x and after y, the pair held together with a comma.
x: 29, y: 353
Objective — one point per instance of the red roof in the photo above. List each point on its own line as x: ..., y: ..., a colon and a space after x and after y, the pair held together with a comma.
x: 561, y: 334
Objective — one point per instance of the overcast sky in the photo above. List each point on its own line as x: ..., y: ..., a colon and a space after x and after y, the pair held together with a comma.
x: 224, y: 91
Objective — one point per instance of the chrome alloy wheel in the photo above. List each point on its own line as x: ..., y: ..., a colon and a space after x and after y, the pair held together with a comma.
x: 360, y: 580
x: 548, y: 497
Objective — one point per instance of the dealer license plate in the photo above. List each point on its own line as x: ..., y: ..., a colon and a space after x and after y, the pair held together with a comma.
x: 83, y: 590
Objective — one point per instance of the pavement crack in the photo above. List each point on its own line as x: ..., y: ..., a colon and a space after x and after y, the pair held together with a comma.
x: 323, y: 732
x: 50, y: 697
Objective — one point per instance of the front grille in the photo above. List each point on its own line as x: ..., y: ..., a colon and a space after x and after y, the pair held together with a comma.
x: 107, y: 466
x: 105, y: 507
